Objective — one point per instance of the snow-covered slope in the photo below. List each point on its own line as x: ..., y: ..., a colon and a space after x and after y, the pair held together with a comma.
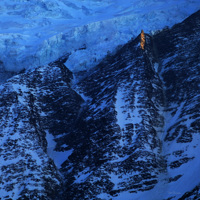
x: 36, y: 32
x: 126, y: 129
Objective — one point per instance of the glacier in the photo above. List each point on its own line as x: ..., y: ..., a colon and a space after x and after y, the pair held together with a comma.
x: 37, y: 32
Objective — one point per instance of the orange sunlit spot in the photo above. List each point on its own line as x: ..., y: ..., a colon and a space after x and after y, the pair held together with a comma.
x: 142, y: 40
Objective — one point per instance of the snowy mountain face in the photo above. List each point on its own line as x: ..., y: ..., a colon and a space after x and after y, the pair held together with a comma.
x: 37, y: 32
x: 125, y: 129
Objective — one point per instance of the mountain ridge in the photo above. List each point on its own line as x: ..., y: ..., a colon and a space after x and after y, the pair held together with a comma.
x: 128, y: 129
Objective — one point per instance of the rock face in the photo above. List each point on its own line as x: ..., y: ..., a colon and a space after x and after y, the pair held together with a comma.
x: 127, y: 129
x: 180, y: 61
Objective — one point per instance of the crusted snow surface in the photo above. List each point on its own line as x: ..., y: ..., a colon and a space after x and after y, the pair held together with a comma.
x: 36, y: 32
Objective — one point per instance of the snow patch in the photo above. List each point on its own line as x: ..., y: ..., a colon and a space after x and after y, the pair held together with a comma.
x: 57, y: 156
x: 126, y: 115
x: 82, y: 176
